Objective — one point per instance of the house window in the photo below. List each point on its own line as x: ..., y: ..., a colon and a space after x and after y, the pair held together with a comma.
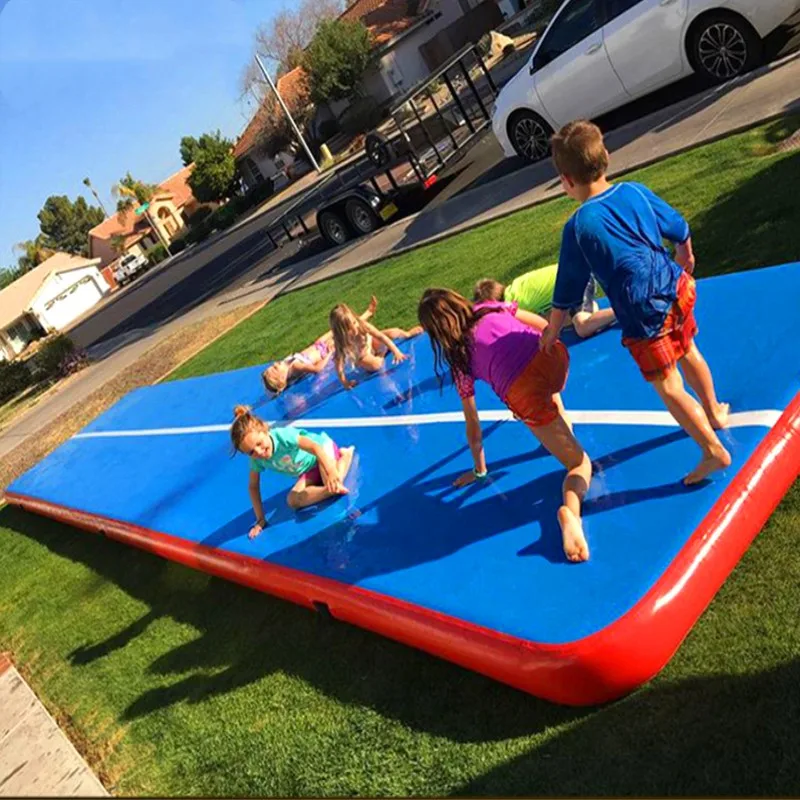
x: 253, y: 174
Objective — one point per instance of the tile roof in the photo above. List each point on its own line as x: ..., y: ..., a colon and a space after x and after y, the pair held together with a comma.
x: 385, y: 19
x: 176, y: 186
x: 16, y: 297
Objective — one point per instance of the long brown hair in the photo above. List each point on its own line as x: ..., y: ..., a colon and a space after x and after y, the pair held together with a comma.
x: 244, y: 421
x: 345, y: 327
x: 448, y: 319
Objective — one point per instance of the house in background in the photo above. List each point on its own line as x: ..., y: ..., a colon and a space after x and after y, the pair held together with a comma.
x: 411, y: 38
x: 254, y: 157
x: 169, y: 210
x: 48, y: 298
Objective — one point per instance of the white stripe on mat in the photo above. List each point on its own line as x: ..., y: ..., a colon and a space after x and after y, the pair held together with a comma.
x: 744, y: 419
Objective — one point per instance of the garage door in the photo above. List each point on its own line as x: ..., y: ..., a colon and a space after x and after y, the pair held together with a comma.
x: 71, y: 303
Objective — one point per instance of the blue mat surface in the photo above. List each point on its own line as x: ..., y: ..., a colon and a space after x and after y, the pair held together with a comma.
x: 489, y: 554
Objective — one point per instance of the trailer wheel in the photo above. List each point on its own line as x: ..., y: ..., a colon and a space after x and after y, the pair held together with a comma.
x: 361, y: 216
x: 332, y: 228
x: 379, y: 149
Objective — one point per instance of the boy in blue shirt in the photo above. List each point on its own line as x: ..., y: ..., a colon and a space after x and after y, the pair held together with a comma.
x: 617, y: 235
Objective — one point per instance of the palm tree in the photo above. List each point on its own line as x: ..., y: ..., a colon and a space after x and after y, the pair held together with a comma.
x: 130, y: 193
x: 33, y: 252
x: 118, y: 243
x: 88, y: 184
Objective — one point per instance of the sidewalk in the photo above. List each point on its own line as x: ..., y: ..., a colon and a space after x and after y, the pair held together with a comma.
x: 36, y: 758
x: 766, y: 93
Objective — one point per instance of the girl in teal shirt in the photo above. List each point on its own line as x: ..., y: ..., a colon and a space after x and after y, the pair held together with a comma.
x: 314, y: 459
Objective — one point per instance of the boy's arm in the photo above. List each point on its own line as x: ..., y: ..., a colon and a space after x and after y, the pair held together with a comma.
x: 254, y: 488
x: 571, y: 278
x: 671, y: 224
x: 684, y: 255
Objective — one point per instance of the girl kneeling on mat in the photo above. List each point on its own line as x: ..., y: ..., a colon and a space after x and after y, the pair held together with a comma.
x: 360, y: 342
x: 498, y: 343
x: 313, y: 458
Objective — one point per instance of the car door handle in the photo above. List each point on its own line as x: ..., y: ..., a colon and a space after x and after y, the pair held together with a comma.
x: 667, y: 2
x: 593, y: 49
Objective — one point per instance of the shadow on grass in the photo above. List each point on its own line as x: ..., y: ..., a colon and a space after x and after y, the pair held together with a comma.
x: 730, y: 235
x: 245, y: 636
x: 719, y: 735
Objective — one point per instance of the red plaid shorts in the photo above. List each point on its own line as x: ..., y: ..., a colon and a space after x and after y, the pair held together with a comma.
x: 659, y: 355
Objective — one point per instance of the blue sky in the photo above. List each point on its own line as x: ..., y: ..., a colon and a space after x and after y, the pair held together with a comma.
x: 98, y: 87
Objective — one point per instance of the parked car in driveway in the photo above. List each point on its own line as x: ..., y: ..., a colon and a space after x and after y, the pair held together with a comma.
x: 597, y: 55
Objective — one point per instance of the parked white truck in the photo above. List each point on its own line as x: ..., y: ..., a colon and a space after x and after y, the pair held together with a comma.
x: 128, y: 267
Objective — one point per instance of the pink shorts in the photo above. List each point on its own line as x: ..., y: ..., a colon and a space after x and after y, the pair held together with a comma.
x: 314, y: 475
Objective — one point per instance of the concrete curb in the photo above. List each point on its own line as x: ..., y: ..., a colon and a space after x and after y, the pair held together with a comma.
x: 37, y: 759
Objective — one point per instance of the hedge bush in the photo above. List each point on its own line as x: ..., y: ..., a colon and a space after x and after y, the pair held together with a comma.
x: 47, y: 361
x: 14, y: 377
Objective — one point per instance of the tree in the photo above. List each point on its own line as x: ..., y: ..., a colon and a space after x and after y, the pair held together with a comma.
x: 189, y: 148
x: 336, y: 59
x: 88, y: 184
x: 8, y: 275
x: 132, y: 193
x: 33, y: 252
x: 284, y: 39
x: 65, y: 225
x: 214, y: 175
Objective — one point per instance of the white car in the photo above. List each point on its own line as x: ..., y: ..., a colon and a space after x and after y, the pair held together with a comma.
x: 597, y: 55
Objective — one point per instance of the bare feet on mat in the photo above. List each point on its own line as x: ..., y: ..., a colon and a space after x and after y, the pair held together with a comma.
x: 576, y: 548
x: 717, y: 459
x: 719, y: 417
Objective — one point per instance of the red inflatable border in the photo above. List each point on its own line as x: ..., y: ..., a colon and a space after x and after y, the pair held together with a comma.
x: 596, y: 669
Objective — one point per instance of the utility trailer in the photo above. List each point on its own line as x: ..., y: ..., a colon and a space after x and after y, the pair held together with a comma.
x: 433, y: 124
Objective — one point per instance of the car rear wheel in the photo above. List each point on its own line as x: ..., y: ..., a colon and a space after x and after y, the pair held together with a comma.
x: 723, y: 46
x: 333, y: 228
x: 529, y: 135
x: 361, y: 216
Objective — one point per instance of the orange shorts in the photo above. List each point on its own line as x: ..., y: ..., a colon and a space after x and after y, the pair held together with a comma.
x: 530, y: 397
x: 659, y: 355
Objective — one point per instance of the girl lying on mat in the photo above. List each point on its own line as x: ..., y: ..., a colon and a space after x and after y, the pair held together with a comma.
x: 317, y: 462
x: 499, y: 343
x: 310, y: 361
x: 360, y: 342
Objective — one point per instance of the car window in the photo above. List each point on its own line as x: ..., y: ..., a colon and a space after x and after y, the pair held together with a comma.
x: 617, y: 7
x: 578, y: 20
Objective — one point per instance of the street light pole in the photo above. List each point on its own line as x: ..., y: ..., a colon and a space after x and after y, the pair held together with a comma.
x: 288, y: 115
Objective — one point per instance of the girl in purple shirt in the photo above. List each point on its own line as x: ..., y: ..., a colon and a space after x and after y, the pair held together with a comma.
x: 498, y: 343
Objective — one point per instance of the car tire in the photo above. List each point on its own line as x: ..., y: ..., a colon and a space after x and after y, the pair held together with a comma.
x: 529, y: 135
x: 723, y: 46
x: 361, y: 217
x: 333, y: 228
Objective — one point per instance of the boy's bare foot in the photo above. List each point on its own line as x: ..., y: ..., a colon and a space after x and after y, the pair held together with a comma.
x: 415, y: 331
x: 345, y: 461
x: 373, y: 305
x: 718, y: 458
x: 719, y: 417
x: 576, y: 548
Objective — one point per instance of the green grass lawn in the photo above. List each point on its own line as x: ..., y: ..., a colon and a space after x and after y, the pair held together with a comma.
x: 176, y: 683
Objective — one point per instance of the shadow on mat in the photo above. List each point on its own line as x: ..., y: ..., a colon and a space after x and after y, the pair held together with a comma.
x: 244, y: 636
x: 720, y: 735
